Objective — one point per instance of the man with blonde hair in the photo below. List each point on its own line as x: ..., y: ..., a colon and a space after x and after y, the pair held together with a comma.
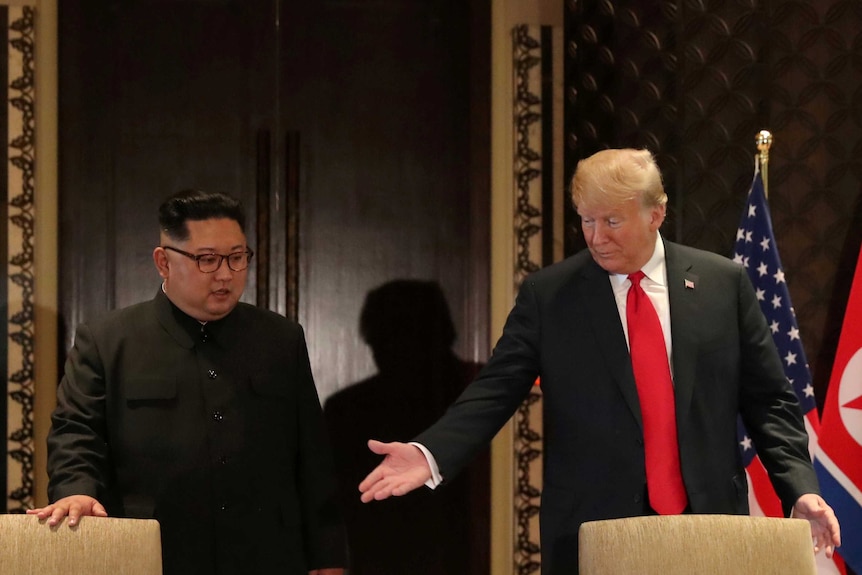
x: 648, y: 351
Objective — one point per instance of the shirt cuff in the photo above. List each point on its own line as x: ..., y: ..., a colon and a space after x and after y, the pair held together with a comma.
x: 436, y: 478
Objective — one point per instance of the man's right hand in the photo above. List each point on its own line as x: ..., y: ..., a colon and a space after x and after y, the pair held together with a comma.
x: 402, y: 470
x: 73, y: 506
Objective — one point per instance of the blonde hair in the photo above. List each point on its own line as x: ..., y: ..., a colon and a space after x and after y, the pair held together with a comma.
x: 613, y: 177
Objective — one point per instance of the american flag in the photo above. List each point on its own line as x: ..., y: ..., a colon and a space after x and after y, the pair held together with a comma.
x: 755, y: 249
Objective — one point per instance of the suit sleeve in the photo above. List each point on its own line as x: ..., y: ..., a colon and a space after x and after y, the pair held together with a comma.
x: 78, y: 456
x: 769, y: 407
x: 494, y: 396
x: 322, y: 522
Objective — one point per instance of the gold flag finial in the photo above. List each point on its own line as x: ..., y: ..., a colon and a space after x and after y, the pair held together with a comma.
x: 764, y: 142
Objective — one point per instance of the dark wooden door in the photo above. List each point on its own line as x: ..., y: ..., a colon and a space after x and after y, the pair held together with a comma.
x: 154, y: 97
x: 369, y: 104
x: 354, y: 131
x: 379, y: 93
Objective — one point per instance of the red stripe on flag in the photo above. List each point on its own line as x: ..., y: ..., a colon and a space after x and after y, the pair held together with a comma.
x: 825, y: 565
x: 764, y: 494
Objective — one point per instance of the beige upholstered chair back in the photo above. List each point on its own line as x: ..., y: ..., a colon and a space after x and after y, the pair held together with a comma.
x: 96, y: 546
x: 701, y: 544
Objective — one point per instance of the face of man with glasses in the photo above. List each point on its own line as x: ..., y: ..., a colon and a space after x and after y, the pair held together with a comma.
x: 205, y: 275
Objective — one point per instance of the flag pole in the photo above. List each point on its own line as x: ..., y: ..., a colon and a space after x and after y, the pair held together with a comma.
x: 763, y: 139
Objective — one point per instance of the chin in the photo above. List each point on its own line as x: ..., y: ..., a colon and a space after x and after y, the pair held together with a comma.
x: 220, y: 312
x: 607, y: 265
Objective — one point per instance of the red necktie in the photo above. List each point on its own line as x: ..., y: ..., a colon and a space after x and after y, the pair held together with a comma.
x: 655, y: 391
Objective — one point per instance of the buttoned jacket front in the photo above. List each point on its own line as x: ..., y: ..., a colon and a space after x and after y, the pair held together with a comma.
x: 214, y: 430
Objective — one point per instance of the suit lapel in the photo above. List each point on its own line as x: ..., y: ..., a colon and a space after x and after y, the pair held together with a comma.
x: 683, y: 298
x: 598, y: 297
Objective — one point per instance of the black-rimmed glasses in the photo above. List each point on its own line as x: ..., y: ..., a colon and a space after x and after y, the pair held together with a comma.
x: 209, y: 263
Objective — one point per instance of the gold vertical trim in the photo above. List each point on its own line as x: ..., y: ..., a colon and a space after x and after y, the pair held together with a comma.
x: 45, y: 254
x: 505, y: 14
x: 502, y: 269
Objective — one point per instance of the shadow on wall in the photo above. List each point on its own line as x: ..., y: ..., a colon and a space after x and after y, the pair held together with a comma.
x: 409, y: 328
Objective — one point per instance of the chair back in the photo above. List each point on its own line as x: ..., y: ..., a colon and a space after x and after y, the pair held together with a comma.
x: 702, y: 544
x: 96, y: 546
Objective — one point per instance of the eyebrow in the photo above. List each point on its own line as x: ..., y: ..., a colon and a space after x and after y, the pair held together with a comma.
x: 209, y: 250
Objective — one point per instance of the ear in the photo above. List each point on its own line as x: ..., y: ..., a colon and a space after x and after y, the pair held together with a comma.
x: 657, y: 215
x: 160, y: 258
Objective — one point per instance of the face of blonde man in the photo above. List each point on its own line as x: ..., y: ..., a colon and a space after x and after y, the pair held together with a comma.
x: 203, y: 296
x: 621, y: 238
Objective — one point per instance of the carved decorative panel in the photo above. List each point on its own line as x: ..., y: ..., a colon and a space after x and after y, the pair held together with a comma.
x: 18, y: 228
x: 537, y: 201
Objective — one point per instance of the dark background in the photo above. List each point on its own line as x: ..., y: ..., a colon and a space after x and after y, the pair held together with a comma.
x: 357, y: 133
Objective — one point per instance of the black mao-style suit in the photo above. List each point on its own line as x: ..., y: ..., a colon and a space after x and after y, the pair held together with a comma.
x: 565, y: 327
x: 216, y: 431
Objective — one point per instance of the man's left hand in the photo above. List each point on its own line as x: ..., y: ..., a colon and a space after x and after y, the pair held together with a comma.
x: 825, y: 531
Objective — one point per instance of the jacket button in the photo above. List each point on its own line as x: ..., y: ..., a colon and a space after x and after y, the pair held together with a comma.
x: 212, y: 374
x: 638, y: 497
x: 218, y: 416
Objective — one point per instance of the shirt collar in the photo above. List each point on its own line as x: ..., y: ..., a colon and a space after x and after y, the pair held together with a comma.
x: 654, y: 269
x: 218, y: 330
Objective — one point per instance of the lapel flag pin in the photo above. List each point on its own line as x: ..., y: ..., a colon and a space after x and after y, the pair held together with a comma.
x: 689, y: 284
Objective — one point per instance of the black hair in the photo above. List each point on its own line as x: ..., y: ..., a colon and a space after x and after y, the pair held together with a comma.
x: 197, y: 205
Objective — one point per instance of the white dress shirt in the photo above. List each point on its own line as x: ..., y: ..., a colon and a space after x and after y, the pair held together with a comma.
x: 655, y: 286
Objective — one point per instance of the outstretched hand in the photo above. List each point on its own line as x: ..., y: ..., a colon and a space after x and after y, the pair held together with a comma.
x: 75, y: 506
x: 403, y: 469
x: 825, y: 531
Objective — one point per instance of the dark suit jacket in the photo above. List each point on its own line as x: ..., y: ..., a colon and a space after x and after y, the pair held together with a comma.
x: 565, y: 327
x: 218, y: 435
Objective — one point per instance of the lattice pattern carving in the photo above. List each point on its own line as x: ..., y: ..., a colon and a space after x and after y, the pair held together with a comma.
x: 528, y: 258
x: 21, y: 301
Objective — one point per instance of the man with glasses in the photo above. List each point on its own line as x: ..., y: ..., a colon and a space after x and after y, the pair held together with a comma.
x: 201, y: 412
